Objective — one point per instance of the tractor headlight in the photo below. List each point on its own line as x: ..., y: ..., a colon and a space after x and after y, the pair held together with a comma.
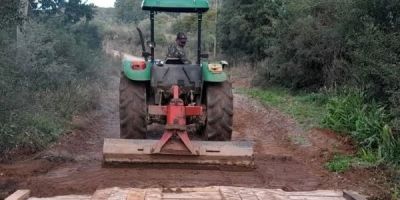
x: 215, y: 68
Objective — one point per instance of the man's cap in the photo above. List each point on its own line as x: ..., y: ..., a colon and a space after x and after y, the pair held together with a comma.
x: 181, y: 35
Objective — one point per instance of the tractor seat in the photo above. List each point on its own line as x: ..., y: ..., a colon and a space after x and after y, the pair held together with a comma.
x: 174, y: 61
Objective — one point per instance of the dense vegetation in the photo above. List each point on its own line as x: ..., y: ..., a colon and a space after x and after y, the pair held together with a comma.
x: 350, y: 48
x: 49, y: 70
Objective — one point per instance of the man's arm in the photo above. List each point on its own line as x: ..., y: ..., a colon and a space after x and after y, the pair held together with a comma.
x: 170, y: 51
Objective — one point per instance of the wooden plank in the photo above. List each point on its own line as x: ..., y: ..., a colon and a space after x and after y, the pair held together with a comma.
x: 205, y: 189
x: 228, y: 193
x: 136, y: 194
x: 111, y: 193
x: 351, y: 195
x: 193, y: 195
x: 316, y: 193
x: 235, y: 193
x: 19, y: 195
x: 70, y: 197
x: 153, y: 194
x: 313, y: 198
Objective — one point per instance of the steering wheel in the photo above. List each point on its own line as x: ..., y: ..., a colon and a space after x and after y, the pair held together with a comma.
x: 174, y: 61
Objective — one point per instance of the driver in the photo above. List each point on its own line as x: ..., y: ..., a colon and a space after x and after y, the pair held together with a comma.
x: 176, y: 49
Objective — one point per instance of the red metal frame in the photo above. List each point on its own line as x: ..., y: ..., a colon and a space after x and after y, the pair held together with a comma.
x: 176, y: 113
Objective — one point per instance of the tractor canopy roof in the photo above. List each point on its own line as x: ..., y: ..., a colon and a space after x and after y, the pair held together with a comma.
x: 176, y: 5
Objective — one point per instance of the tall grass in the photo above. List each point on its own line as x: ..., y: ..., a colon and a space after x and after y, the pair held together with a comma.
x: 368, y: 123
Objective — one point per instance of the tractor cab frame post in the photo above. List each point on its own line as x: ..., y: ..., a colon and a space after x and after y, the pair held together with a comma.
x: 152, y: 35
x: 199, y: 16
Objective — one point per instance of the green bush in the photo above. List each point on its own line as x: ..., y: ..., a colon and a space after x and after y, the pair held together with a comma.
x: 366, y: 123
x: 349, y: 113
x: 54, y: 73
x: 389, y: 146
x: 29, y: 131
x: 247, y: 34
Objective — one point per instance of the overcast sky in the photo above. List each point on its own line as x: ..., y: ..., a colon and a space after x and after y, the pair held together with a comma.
x: 102, y: 3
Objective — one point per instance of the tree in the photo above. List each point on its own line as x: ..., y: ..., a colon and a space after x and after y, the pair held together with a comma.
x: 128, y: 11
x: 71, y: 11
x: 9, y: 14
x: 75, y: 10
x: 251, y: 30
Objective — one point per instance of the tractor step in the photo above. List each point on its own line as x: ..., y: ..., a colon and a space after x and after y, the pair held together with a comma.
x: 128, y: 151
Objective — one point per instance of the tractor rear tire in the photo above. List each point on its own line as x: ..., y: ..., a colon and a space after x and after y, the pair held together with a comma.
x: 132, y: 109
x: 219, y: 101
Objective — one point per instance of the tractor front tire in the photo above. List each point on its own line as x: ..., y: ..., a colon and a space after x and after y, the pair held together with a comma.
x: 219, y: 101
x: 132, y: 109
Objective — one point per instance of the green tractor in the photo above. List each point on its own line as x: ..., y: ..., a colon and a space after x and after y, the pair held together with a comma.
x: 177, y: 95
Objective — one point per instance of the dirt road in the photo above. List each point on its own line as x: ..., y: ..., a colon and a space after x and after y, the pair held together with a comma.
x: 286, y: 157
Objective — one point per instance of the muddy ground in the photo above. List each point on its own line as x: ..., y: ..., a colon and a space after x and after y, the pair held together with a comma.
x: 286, y: 157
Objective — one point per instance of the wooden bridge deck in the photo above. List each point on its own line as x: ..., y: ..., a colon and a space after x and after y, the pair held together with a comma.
x: 208, y: 193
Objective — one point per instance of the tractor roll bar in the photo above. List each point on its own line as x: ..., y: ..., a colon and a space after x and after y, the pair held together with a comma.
x: 199, y: 19
x: 152, y: 34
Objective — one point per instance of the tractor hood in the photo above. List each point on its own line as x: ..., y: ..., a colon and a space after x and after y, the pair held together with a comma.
x: 193, y: 6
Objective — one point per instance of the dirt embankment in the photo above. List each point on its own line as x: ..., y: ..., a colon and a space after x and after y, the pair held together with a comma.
x: 73, y: 165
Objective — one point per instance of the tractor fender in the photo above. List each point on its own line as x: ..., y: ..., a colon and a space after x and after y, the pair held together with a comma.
x: 136, y: 75
x: 212, y: 76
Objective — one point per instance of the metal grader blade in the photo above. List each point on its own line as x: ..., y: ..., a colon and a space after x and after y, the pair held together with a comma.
x: 127, y: 151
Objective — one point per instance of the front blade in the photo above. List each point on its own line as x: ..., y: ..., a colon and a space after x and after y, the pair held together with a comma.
x: 232, y: 153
